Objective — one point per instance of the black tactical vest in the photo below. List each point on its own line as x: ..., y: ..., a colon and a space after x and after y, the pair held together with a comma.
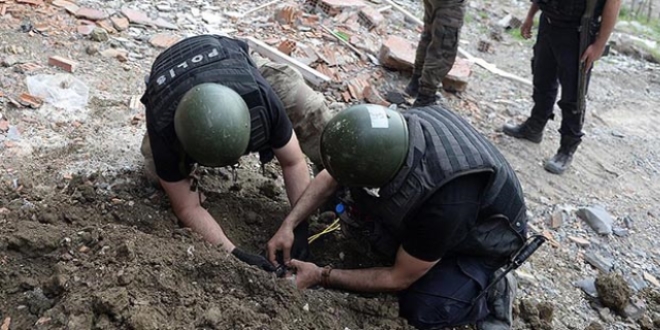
x: 444, y: 146
x: 203, y: 59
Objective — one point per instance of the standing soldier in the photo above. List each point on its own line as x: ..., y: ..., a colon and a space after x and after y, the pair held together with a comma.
x: 557, y: 60
x: 436, y: 51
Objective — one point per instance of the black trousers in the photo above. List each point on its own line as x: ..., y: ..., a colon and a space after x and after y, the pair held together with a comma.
x: 556, y: 62
x: 444, y: 296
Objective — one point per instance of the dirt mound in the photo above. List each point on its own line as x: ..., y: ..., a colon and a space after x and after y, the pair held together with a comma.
x: 95, y: 257
x: 613, y: 291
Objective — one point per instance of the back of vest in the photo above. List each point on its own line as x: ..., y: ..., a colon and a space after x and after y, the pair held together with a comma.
x: 203, y: 59
x: 444, y: 146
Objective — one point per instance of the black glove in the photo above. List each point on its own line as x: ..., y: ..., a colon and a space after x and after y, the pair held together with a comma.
x: 253, y: 259
x: 300, y: 248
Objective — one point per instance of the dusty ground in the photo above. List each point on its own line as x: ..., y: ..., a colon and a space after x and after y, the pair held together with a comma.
x: 86, y: 243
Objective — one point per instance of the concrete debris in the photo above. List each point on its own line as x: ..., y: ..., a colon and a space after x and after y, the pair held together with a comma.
x: 86, y: 29
x: 651, y: 279
x: 559, y: 217
x: 163, y: 40
x: 120, y: 23
x: 136, y: 16
x: 621, y: 232
x: 598, y: 219
x: 371, y: 17
x: 91, y: 14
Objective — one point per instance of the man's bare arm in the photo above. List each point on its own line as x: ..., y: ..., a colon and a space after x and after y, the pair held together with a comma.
x: 294, y: 169
x: 185, y: 204
x: 610, y: 15
x: 406, y: 270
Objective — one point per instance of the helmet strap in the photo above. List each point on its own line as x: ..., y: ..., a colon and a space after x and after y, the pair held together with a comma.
x: 196, y: 178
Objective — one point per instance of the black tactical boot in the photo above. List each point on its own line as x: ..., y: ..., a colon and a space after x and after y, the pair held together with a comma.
x: 413, y: 86
x: 500, y: 304
x: 423, y: 100
x: 562, y: 160
x: 531, y: 129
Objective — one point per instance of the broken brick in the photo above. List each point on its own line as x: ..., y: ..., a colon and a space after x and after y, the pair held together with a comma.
x: 4, y: 125
x: 457, y: 78
x: 86, y: 29
x: 397, y: 53
x: 484, y: 46
x: 371, y: 95
x: 30, y: 100
x: 287, y: 14
x: 65, y: 64
x: 107, y: 25
x: 163, y: 40
x: 30, y: 2
x: 119, y: 23
x: 136, y: 16
x: 91, y: 14
x: 287, y: 47
x: 371, y: 17
x: 334, y: 7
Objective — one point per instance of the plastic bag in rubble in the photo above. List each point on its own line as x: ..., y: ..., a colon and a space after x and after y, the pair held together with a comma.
x: 62, y: 90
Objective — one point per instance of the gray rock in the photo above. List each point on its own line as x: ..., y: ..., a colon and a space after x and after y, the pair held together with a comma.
x: 601, y: 263
x: 629, y: 222
x: 598, y: 219
x: 621, y: 232
x: 635, y: 309
x: 636, y: 282
x: 588, y: 286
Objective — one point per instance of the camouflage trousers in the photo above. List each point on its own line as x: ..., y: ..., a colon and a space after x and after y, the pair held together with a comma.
x: 306, y: 109
x: 438, y: 45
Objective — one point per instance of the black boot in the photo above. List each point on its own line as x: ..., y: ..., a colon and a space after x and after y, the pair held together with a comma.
x: 564, y: 156
x: 500, y: 304
x: 423, y: 100
x: 531, y: 129
x: 413, y: 86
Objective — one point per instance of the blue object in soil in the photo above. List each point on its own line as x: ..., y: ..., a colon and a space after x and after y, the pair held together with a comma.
x: 339, y: 209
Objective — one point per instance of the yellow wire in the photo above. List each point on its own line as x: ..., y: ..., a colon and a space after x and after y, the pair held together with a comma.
x: 335, y: 225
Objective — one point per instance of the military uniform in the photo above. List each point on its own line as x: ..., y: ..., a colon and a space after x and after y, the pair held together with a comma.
x: 437, y: 48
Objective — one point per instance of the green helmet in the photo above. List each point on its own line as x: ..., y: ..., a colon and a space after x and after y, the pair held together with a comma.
x: 212, y: 123
x: 365, y: 145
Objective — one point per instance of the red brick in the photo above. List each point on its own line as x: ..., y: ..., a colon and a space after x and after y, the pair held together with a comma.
x: 287, y: 47
x: 120, y: 23
x: 457, y: 78
x: 136, y: 16
x: 372, y: 96
x: 4, y: 125
x: 397, y: 53
x: 86, y: 29
x: 30, y: 100
x: 65, y: 64
x: 371, y: 17
x: 107, y: 25
x: 163, y: 40
x: 334, y: 7
x: 91, y: 14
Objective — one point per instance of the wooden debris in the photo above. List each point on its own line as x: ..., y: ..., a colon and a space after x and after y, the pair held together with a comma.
x: 312, y: 76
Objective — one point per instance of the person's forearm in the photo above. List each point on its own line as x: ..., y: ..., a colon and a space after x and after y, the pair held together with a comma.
x: 532, y: 11
x: 317, y: 192
x: 365, y: 280
x: 200, y: 221
x: 296, y: 179
x: 610, y: 14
